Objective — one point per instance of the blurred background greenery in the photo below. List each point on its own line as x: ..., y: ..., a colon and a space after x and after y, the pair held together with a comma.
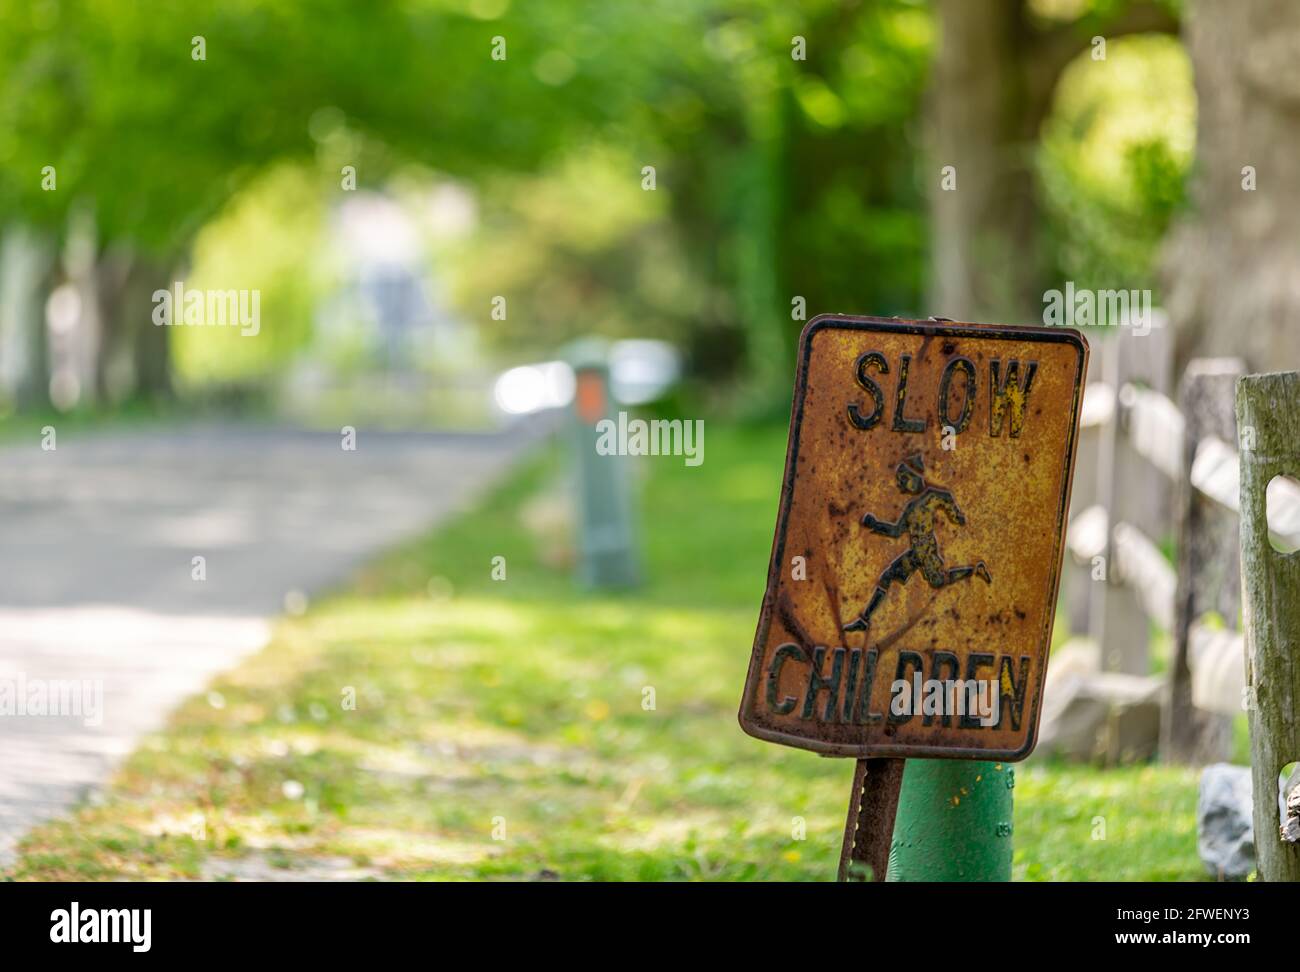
x: 797, y: 154
x: 427, y: 193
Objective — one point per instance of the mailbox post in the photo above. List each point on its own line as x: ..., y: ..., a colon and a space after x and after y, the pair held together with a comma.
x: 606, y: 535
x: 954, y: 822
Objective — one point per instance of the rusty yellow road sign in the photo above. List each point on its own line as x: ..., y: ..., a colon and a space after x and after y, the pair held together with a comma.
x: 918, y: 545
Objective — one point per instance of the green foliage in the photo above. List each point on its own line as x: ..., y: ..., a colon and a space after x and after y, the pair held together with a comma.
x: 268, y: 239
x: 777, y: 177
x: 577, y: 246
x: 1115, y: 154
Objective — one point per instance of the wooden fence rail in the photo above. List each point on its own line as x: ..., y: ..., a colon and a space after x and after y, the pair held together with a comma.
x: 1138, y: 448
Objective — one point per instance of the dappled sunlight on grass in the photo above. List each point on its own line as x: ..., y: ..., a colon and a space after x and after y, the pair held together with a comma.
x: 522, y: 729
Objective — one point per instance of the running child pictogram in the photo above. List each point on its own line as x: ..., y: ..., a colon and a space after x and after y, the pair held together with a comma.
x: 917, y: 521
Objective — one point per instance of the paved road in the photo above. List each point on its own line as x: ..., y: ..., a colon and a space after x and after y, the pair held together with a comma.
x: 96, y: 546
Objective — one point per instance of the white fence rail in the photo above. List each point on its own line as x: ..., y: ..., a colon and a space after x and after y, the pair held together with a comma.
x: 1138, y: 448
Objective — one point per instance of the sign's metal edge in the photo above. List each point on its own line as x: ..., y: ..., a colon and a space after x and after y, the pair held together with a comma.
x: 937, y: 328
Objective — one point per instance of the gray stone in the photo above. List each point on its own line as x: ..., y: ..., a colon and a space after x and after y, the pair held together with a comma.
x: 1225, y: 832
x: 1106, y: 717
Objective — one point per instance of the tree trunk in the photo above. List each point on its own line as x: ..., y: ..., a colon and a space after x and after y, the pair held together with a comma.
x: 135, y: 357
x: 76, y: 345
x: 1233, y: 266
x: 114, y: 371
x: 995, y: 74
x: 984, y: 122
x: 769, y: 343
x: 150, y: 344
x: 26, y: 271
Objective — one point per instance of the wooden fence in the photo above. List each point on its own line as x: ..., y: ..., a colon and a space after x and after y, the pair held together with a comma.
x: 1268, y: 407
x: 1159, y: 465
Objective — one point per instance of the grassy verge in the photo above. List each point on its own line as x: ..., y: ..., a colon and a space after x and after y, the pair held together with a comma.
x: 501, y: 727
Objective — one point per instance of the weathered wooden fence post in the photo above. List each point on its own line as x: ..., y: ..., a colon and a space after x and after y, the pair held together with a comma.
x: 1268, y: 420
x: 1208, y: 564
x: 1118, y: 622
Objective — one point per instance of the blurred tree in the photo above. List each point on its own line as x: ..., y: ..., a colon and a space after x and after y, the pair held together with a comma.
x: 151, y: 139
x: 795, y: 176
x: 1113, y: 159
x: 995, y: 70
x: 784, y: 142
x: 269, y: 238
x: 1233, y: 266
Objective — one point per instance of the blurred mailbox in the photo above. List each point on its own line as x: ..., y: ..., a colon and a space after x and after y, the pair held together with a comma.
x: 606, y: 535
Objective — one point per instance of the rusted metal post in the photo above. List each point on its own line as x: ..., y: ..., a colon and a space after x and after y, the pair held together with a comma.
x: 869, y: 830
x: 954, y: 822
x: 1268, y: 422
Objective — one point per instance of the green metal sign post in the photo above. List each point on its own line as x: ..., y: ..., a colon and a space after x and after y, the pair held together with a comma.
x: 954, y: 822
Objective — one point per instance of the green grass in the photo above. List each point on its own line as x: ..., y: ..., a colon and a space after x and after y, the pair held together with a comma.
x: 134, y: 415
x: 517, y: 706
